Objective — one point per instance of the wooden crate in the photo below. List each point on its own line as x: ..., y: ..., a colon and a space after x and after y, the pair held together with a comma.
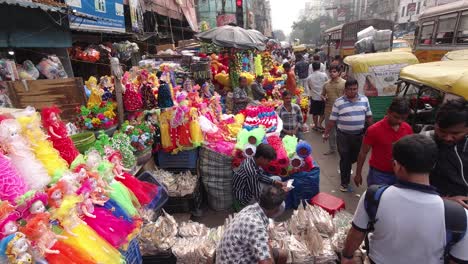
x: 66, y: 94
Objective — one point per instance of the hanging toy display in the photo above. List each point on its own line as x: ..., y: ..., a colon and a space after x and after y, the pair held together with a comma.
x: 165, y: 96
x: 58, y: 134
x: 95, y: 98
x: 146, y: 90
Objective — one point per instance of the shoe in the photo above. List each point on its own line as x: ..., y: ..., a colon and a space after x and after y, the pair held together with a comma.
x: 346, y: 188
x: 330, y: 152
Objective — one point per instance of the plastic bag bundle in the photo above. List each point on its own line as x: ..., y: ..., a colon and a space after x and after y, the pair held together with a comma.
x: 342, y: 222
x: 367, y: 32
x: 52, y: 68
x: 28, y: 71
x: 327, y: 255
x: 194, y: 250
x: 382, y: 39
x: 158, y: 236
x: 322, y: 220
x: 192, y: 229
x: 365, y: 45
x: 298, y: 252
x: 178, y: 185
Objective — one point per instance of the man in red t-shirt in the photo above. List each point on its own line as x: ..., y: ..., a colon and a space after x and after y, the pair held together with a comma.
x: 380, y: 138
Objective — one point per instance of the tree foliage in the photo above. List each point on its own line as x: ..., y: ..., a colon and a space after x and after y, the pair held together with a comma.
x: 308, y: 30
x: 279, y: 35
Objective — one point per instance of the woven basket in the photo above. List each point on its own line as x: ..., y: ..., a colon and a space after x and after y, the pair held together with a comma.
x: 83, y: 141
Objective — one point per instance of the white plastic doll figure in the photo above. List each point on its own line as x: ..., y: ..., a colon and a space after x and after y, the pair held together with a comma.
x: 8, y: 218
x: 22, y: 158
x: 16, y: 249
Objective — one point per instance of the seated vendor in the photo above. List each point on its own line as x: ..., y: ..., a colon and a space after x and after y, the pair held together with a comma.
x: 248, y: 180
x: 258, y: 92
x: 240, y: 97
x: 246, y: 239
x: 291, y: 116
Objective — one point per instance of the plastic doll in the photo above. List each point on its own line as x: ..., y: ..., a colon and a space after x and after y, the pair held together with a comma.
x: 8, y: 218
x: 56, y: 193
x: 15, y: 249
x: 11, y: 184
x: 95, y: 97
x: 145, y: 192
x: 146, y: 90
x: 32, y: 203
x: 31, y: 129
x: 80, y: 236
x: 118, y: 192
x: 29, y: 168
x: 112, y: 229
x: 165, y: 96
x: 49, y: 244
x: 107, y: 87
x: 58, y: 134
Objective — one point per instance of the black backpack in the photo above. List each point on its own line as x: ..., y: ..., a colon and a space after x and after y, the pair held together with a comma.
x: 455, y: 217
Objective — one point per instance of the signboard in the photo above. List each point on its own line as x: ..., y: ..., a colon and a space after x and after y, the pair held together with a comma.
x: 380, y: 80
x: 341, y: 14
x: 98, y: 15
x: 225, y: 19
x: 136, y: 15
x: 411, y: 9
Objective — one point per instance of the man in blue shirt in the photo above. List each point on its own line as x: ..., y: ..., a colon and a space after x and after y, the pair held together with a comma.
x: 350, y: 114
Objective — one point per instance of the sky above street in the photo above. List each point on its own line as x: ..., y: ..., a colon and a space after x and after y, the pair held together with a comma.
x: 284, y: 13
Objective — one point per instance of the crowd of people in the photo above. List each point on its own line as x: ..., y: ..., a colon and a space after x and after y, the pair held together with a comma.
x: 422, y: 215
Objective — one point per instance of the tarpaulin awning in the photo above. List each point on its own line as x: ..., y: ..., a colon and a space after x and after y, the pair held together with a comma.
x: 56, y: 8
x: 176, y: 9
x: 34, y: 28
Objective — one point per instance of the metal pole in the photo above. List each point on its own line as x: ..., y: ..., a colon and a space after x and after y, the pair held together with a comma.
x: 117, y: 73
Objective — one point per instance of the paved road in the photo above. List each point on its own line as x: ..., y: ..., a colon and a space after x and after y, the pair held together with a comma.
x: 329, y: 177
x: 329, y: 182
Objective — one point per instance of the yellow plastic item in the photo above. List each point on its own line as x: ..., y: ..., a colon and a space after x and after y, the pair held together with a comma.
x: 223, y: 79
x: 195, y: 130
x: 447, y: 76
x: 95, y: 98
x: 361, y: 63
x: 250, y: 77
x: 165, y: 118
x: 258, y: 65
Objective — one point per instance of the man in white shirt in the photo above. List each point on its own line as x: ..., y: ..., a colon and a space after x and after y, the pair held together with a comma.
x: 410, y: 220
x: 316, y: 58
x: 315, y: 83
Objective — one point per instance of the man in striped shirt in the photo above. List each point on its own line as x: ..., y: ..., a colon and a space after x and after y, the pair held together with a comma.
x: 350, y: 113
x: 248, y: 180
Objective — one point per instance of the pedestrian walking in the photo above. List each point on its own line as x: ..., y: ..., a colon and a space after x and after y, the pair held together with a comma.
x: 409, y: 222
x: 332, y: 90
x: 450, y: 175
x: 315, y: 83
x: 302, y: 70
x: 291, y: 115
x: 379, y: 138
x: 350, y: 114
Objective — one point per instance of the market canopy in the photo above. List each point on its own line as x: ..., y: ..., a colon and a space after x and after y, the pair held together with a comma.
x: 233, y: 37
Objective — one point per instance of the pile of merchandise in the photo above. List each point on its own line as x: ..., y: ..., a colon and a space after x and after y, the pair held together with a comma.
x: 310, y: 236
x: 60, y: 206
x: 49, y: 67
x: 177, y: 185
